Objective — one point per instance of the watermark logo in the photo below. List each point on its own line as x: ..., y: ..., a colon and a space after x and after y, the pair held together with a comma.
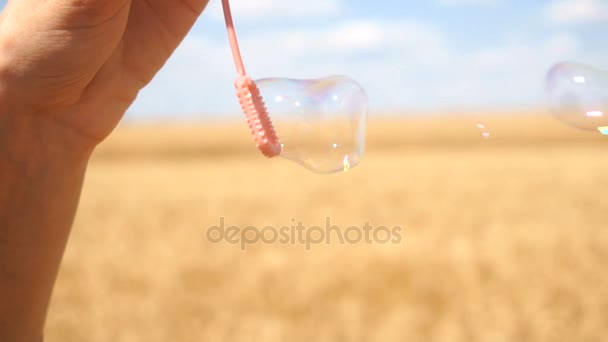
x: 296, y: 233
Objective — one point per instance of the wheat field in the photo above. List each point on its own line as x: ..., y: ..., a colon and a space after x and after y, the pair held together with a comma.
x: 503, y: 239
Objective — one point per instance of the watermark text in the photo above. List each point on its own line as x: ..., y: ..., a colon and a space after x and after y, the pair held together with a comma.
x: 296, y: 233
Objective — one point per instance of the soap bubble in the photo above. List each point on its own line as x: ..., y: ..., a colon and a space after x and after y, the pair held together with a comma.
x: 578, y: 96
x: 321, y: 123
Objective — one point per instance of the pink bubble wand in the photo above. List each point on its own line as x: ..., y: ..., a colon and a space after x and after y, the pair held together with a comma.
x: 252, y: 102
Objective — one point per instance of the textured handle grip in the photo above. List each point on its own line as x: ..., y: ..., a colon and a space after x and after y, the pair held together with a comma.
x: 258, y: 119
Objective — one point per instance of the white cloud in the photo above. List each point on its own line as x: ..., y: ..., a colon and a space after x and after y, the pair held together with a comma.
x: 510, y: 73
x: 577, y: 11
x: 401, y: 63
x: 501, y: 58
x: 267, y: 9
x: 453, y: 3
x: 373, y: 52
x: 345, y: 38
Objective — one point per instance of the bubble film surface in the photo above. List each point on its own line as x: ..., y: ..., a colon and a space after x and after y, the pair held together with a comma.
x: 578, y: 96
x: 321, y: 123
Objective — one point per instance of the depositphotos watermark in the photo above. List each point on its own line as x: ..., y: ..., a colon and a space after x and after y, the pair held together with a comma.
x: 296, y: 233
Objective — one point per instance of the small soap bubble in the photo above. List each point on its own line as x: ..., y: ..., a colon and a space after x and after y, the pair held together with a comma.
x: 484, y: 130
x: 321, y: 123
x: 578, y: 96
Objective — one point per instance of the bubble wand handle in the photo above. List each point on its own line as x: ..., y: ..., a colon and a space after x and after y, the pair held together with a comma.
x: 232, y: 38
x: 250, y: 99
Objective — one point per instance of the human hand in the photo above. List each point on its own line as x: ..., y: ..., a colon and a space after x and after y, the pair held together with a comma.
x: 71, y: 68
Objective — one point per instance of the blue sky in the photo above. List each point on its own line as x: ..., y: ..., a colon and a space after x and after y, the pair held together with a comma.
x: 408, y: 55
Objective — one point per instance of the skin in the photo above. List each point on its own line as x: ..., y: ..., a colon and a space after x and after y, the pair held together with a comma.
x: 69, y: 69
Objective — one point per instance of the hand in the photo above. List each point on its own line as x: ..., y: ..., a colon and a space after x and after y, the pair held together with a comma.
x: 71, y: 68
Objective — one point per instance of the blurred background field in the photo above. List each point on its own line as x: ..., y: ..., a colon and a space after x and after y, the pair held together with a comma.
x: 504, y: 238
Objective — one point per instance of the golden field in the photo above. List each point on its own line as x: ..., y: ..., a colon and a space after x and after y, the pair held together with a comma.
x: 503, y: 239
